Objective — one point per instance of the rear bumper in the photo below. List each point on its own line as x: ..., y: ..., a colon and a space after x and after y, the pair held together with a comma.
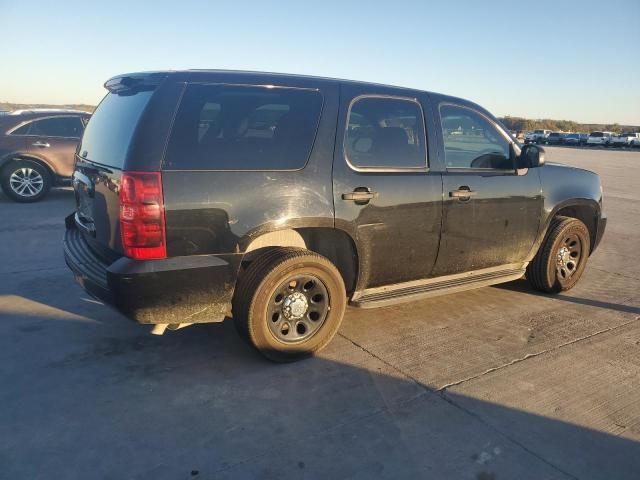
x: 194, y: 289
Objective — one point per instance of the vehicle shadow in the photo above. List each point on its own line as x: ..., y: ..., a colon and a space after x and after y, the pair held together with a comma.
x: 56, y: 194
x: 88, y: 394
x: 523, y: 286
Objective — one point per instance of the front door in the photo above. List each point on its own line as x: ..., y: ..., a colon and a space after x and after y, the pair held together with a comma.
x: 384, y: 195
x: 491, y: 211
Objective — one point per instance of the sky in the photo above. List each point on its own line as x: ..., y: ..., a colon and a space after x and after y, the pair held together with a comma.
x: 572, y: 60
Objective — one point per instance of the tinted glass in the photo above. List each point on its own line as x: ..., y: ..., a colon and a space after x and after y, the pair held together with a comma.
x: 109, y: 131
x: 23, y: 130
x: 470, y: 141
x: 597, y: 134
x: 57, y: 127
x: 385, y: 133
x: 243, y: 128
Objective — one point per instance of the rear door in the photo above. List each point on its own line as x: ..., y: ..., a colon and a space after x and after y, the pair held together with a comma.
x: 491, y: 210
x: 384, y: 194
x: 55, y: 139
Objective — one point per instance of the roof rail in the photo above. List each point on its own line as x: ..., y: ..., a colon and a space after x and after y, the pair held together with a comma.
x: 45, y: 110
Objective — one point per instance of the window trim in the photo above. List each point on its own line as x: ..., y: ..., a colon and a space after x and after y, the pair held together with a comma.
x: 27, y: 122
x: 500, y: 130
x: 355, y: 168
x: 244, y: 85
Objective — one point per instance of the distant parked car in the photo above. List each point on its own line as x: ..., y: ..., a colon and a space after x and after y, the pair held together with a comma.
x: 635, y: 142
x: 575, y: 139
x: 624, y: 139
x: 537, y: 136
x: 554, y: 138
x: 37, y: 150
x: 600, y: 138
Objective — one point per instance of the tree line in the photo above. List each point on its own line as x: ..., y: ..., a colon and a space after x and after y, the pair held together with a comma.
x: 527, y: 124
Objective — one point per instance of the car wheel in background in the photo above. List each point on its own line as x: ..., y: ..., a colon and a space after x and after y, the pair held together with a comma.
x: 25, y: 181
x: 562, y: 257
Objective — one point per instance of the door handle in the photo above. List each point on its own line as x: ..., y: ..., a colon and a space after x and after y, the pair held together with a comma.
x: 360, y: 195
x: 41, y: 145
x: 463, y: 193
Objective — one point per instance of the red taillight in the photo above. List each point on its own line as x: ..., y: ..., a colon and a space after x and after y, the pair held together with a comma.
x: 142, y: 215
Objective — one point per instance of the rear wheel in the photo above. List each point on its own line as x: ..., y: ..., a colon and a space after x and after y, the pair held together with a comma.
x: 25, y: 181
x: 562, y: 257
x: 289, y: 303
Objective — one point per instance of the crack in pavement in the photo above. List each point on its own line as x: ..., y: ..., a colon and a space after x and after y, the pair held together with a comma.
x: 451, y: 401
x: 535, y: 354
x: 617, y: 274
x: 32, y: 270
x: 442, y: 392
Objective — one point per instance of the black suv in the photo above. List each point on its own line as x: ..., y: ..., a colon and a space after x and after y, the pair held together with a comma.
x: 276, y: 199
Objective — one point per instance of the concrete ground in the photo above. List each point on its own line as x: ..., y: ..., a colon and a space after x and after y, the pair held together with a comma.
x: 496, y: 383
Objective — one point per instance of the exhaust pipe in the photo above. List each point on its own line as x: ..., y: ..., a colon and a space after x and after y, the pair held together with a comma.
x: 159, y: 328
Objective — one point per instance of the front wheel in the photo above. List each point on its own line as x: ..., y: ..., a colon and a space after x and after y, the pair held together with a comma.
x: 289, y: 303
x: 25, y: 181
x: 562, y: 257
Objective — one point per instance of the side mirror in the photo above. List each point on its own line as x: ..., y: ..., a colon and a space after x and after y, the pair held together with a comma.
x: 531, y: 156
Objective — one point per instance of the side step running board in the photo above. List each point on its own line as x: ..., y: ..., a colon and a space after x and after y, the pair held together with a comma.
x: 410, y: 291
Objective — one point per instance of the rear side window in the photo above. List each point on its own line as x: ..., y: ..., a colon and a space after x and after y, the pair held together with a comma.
x: 222, y: 127
x: 385, y: 133
x: 68, y: 127
x: 110, y: 130
x: 472, y: 142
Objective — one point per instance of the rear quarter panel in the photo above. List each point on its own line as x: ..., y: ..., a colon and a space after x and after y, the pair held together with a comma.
x: 217, y: 212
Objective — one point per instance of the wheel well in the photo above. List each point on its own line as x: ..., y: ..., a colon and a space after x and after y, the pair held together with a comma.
x: 586, y: 214
x: 333, y: 244
x: 15, y: 157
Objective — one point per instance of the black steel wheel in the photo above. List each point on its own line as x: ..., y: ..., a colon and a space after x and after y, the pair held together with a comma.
x: 562, y: 257
x: 289, y: 303
x: 298, y: 308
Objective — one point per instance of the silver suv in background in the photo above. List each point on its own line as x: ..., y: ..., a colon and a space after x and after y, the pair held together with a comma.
x: 600, y: 138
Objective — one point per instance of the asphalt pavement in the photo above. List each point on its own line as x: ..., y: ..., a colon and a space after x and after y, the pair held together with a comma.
x: 495, y: 383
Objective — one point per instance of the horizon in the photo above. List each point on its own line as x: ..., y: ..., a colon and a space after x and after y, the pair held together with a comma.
x: 578, y: 71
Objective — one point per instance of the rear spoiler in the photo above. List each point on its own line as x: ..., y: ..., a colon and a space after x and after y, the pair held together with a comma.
x: 135, y: 82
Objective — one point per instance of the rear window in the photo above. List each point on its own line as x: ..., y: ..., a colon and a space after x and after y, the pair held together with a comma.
x: 222, y: 127
x: 108, y: 134
x: 597, y: 134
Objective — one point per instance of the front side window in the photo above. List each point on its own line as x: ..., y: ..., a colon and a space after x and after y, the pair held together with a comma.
x: 70, y: 127
x: 385, y: 133
x: 23, y: 130
x: 472, y: 142
x: 222, y: 127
